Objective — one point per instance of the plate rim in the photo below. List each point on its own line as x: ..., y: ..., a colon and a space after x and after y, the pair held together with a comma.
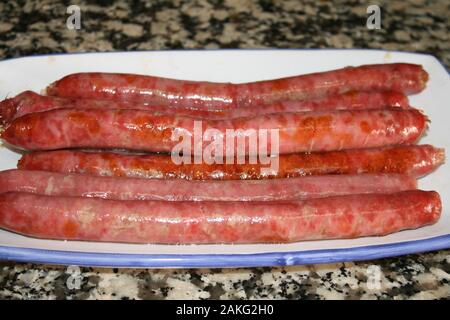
x: 266, y: 259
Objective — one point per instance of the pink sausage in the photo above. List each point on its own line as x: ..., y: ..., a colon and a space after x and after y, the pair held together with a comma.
x: 145, y: 131
x: 30, y: 102
x: 58, y: 184
x: 398, y: 77
x: 351, y: 216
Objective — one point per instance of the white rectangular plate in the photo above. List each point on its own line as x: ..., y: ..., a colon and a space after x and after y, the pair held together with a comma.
x: 37, y: 72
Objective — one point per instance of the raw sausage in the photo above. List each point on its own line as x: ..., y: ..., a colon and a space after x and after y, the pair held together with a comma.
x: 145, y: 131
x: 29, y: 102
x: 352, y: 216
x: 415, y: 160
x: 399, y: 77
x: 58, y: 184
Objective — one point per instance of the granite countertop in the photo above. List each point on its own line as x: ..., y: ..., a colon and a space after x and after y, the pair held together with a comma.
x: 38, y: 27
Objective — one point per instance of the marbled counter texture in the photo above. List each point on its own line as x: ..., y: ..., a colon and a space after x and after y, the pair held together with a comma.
x: 425, y: 276
x: 30, y: 27
x: 37, y: 27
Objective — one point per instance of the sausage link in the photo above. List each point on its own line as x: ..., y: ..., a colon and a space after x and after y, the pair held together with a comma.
x: 352, y: 216
x: 145, y: 131
x: 414, y: 160
x: 30, y: 102
x: 399, y: 77
x: 58, y: 184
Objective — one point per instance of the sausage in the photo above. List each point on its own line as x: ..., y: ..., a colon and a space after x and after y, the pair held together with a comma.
x: 399, y: 77
x: 415, y: 160
x: 145, y: 131
x: 30, y: 102
x: 59, y: 184
x: 351, y: 216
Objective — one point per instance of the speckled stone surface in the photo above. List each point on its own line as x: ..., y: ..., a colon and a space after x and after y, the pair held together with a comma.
x: 37, y: 27
x: 425, y: 276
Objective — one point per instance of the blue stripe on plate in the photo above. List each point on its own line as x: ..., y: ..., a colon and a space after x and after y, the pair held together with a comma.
x: 222, y: 260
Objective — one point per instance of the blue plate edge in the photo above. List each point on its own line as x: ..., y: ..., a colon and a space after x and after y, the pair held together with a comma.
x: 269, y: 259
